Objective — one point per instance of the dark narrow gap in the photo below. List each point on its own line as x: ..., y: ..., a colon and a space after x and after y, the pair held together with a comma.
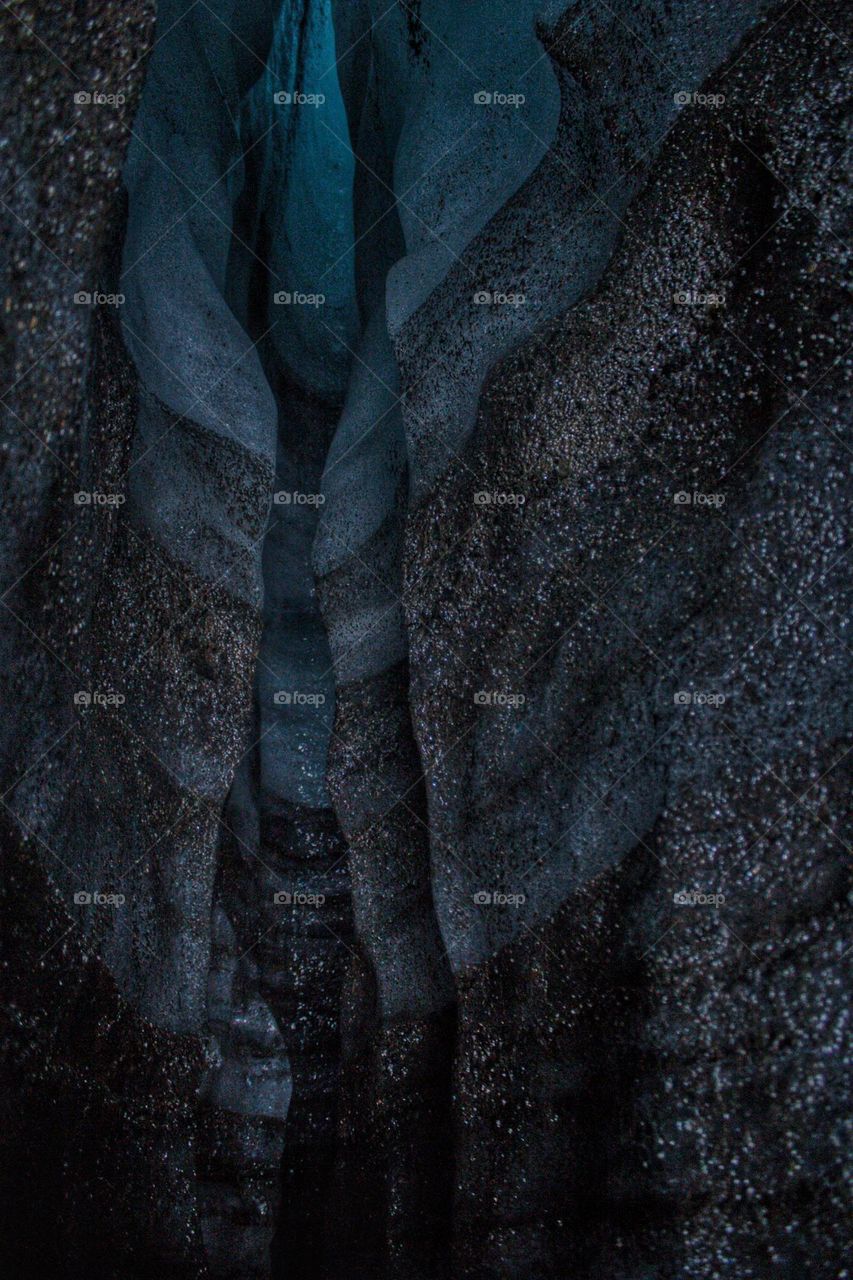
x: 303, y: 955
x: 282, y: 928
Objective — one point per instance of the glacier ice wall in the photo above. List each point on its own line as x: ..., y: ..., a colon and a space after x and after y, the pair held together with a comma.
x: 424, y: 638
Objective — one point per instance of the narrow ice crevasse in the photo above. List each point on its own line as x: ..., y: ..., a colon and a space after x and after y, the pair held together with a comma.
x: 239, y: 208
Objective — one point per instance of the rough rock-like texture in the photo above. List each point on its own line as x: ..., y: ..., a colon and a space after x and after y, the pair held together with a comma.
x: 424, y: 774
x: 98, y: 1172
x: 619, y: 695
x: 98, y: 1102
x: 130, y: 679
x: 644, y: 1087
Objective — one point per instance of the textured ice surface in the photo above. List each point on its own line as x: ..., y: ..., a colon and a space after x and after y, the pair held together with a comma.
x: 618, y: 696
x: 198, y: 367
x: 516, y: 221
x: 239, y: 209
x: 301, y: 199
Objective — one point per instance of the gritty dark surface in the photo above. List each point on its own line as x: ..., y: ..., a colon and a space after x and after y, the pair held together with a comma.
x: 644, y: 1086
x: 590, y: 651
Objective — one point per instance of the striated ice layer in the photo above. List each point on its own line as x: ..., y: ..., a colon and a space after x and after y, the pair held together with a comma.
x: 420, y: 131
x: 203, y: 385
x: 493, y: 179
x: 240, y: 317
